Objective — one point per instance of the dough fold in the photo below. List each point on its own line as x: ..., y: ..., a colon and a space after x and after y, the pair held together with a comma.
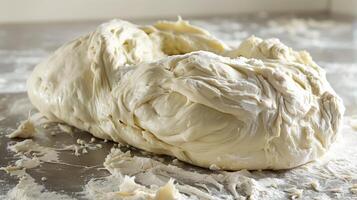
x: 174, y: 89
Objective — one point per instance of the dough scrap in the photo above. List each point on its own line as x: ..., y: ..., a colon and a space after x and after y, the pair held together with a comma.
x: 174, y: 89
x: 26, y: 129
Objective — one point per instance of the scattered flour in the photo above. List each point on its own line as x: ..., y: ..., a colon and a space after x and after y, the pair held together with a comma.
x: 81, y: 147
x: 29, y: 155
x: 324, y: 179
x: 137, y: 177
x: 154, y: 174
x: 45, y: 154
x: 28, y: 189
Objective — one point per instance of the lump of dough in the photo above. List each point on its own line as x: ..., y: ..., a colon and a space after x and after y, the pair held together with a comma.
x: 174, y: 89
x: 26, y: 129
x: 128, y: 189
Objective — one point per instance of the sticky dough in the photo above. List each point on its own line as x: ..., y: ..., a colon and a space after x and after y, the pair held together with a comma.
x: 172, y: 88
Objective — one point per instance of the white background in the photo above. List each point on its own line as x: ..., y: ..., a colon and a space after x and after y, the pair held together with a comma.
x: 20, y: 11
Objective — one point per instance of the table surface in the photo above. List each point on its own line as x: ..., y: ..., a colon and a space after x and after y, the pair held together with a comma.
x: 332, y: 42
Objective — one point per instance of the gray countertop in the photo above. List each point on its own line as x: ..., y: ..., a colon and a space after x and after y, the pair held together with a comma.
x: 332, y: 42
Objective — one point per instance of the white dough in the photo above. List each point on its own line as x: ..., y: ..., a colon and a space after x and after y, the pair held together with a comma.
x: 174, y: 89
x: 25, y: 130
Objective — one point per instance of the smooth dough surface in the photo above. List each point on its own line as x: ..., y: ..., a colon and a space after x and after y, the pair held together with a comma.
x: 172, y: 88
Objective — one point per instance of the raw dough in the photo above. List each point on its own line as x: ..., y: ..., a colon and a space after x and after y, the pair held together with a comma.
x: 26, y: 129
x: 172, y: 88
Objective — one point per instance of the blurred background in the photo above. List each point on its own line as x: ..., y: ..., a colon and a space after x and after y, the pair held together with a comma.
x: 32, y: 29
x: 20, y: 11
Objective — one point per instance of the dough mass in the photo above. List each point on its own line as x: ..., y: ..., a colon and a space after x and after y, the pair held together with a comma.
x: 172, y: 88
